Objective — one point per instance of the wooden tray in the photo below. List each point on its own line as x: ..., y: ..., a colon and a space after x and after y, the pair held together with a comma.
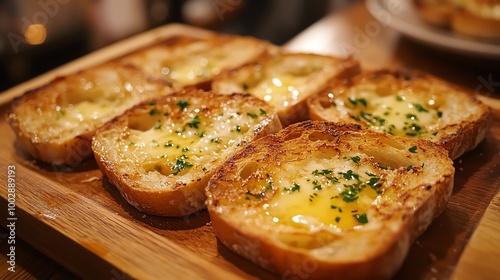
x: 79, y: 219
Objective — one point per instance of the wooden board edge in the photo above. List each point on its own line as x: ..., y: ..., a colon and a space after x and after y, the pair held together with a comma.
x: 478, y: 260
x: 50, y: 219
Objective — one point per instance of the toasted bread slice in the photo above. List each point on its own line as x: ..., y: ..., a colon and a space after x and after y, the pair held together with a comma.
x: 329, y: 200
x: 286, y: 80
x: 55, y: 122
x: 185, y: 61
x: 473, y: 18
x: 435, y: 12
x: 160, y: 154
x: 406, y: 103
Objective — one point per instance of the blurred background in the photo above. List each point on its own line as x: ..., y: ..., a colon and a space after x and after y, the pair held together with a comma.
x: 38, y: 35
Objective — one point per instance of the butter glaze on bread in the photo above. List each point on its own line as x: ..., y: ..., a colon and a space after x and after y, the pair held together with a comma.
x: 286, y: 80
x: 185, y: 61
x: 331, y: 200
x: 160, y: 154
x: 408, y: 104
x: 55, y: 123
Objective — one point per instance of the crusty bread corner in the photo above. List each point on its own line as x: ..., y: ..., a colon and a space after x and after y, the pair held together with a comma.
x: 285, y: 80
x: 304, y: 165
x: 160, y: 154
x: 406, y: 103
x: 55, y: 123
x: 187, y: 61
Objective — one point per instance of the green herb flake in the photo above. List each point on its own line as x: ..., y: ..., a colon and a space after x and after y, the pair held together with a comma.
x: 195, y: 122
x: 362, y: 219
x: 180, y: 165
x: 413, y: 149
x: 238, y: 128
x: 356, y: 159
x: 420, y: 108
x: 262, y: 112
x: 183, y: 103
x: 295, y: 188
x: 154, y: 111
x: 337, y: 219
x: 322, y: 172
x: 410, y: 167
x: 253, y: 116
x: 216, y: 140
x: 349, y: 194
x: 244, y: 86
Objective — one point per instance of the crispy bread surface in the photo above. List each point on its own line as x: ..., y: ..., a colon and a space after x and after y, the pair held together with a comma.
x: 160, y: 154
x: 185, y: 61
x: 328, y: 200
x: 286, y: 80
x: 406, y: 103
x: 55, y: 123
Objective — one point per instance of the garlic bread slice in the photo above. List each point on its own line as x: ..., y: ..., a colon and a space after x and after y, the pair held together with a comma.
x: 408, y: 104
x: 55, y: 123
x: 286, y: 80
x: 323, y: 200
x: 185, y: 61
x: 160, y: 154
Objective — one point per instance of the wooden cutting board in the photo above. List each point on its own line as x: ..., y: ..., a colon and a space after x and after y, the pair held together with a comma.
x: 76, y: 217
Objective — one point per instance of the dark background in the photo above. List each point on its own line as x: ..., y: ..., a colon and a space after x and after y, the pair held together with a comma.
x: 77, y: 27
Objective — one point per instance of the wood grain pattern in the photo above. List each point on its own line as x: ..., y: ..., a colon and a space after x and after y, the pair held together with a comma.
x: 74, y: 216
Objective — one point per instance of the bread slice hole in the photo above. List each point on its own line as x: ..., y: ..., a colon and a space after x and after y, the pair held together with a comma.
x: 325, y: 103
x: 143, y: 123
x: 247, y: 171
x: 318, y: 136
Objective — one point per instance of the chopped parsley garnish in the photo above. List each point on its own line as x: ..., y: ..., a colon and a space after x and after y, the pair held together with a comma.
x: 152, y: 103
x: 254, y: 195
x: 420, y: 108
x: 316, y: 186
x: 358, y: 100
x: 253, y: 116
x: 216, y: 140
x: 169, y: 144
x: 183, y: 103
x: 349, y: 194
x: 413, y: 149
x: 154, y: 111
x: 361, y: 218
x: 411, y: 117
x: 410, y: 167
x: 355, y: 159
x: 295, y: 188
x: 244, y: 86
x: 158, y: 126
x: 322, y: 172
x: 180, y: 165
x: 337, y: 219
x: 262, y: 112
x: 195, y: 122
x: 238, y: 128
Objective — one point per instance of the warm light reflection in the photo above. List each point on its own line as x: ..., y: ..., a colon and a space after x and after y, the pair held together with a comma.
x: 35, y: 34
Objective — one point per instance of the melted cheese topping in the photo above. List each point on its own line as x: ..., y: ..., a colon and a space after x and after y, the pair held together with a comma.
x: 199, y: 61
x: 284, y: 79
x: 88, y: 100
x: 173, y: 145
x: 405, y: 114
x: 310, y: 197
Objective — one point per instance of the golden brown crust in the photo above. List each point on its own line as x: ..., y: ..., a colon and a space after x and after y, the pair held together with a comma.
x: 140, y: 151
x: 460, y: 121
x: 185, y: 61
x: 55, y: 123
x: 412, y: 198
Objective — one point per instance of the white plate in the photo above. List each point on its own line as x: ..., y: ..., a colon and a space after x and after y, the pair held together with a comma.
x: 402, y: 16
